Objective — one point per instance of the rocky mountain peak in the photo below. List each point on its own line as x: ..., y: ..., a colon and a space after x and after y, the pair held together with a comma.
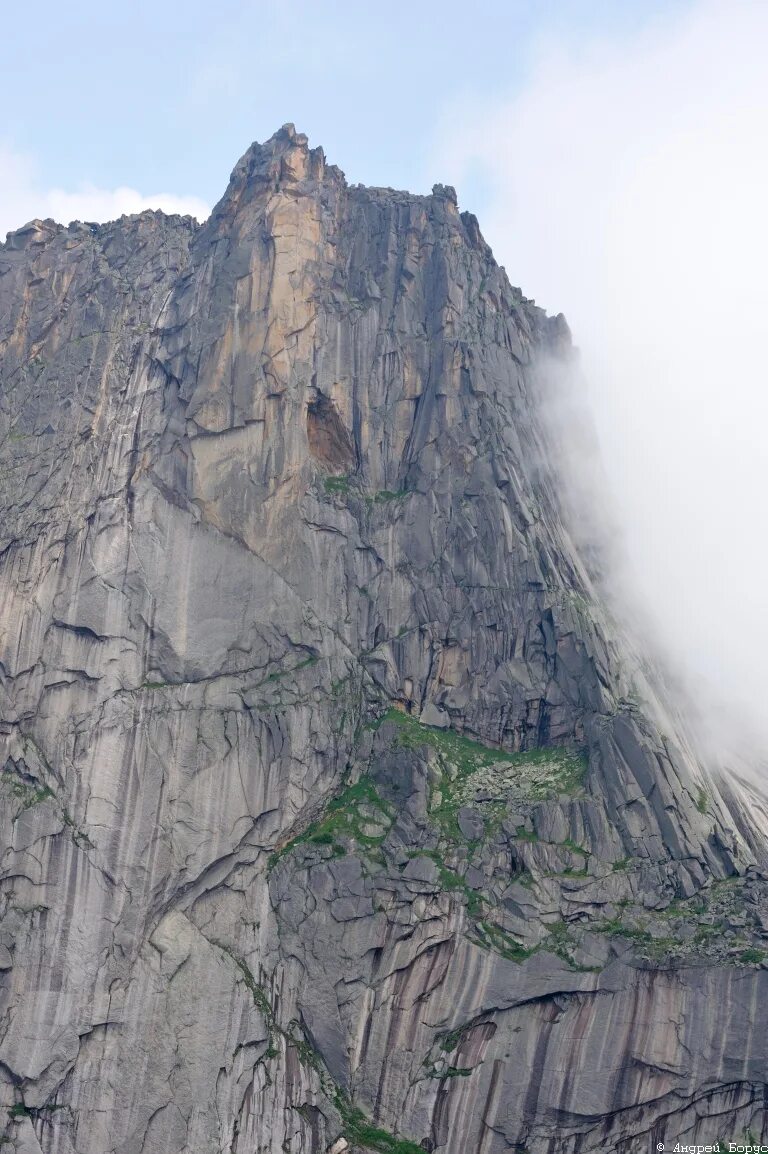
x: 336, y: 813
x: 284, y: 164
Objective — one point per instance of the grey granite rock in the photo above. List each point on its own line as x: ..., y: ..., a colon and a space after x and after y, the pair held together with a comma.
x: 470, y: 823
x: 273, y: 489
x: 431, y: 715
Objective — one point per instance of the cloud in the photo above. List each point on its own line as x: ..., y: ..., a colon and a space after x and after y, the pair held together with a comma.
x: 22, y: 197
x: 627, y: 183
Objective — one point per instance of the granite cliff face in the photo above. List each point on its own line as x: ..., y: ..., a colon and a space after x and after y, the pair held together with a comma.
x: 335, y: 813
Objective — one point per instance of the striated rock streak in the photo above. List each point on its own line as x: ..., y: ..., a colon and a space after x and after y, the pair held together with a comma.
x: 334, y: 814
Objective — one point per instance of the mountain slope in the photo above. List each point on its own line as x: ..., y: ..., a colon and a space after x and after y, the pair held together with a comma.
x: 331, y: 815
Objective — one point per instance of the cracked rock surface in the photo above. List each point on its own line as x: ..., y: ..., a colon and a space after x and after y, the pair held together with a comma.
x: 335, y: 812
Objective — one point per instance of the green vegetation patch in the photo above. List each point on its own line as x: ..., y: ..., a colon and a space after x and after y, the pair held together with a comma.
x: 384, y: 496
x: 360, y: 1131
x: 466, y: 754
x: 469, y: 766
x: 714, y: 925
x: 649, y: 946
x: 258, y: 993
x: 337, y: 484
x: 357, y: 814
x: 450, y: 1041
x: 492, y: 937
x: 26, y: 795
x: 450, y: 881
x: 561, y: 940
x: 346, y: 485
x: 79, y: 836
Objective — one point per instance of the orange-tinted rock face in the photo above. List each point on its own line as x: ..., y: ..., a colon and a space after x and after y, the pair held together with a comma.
x: 273, y: 488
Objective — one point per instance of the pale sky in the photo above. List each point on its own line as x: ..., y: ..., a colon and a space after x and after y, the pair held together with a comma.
x: 165, y: 96
x: 614, y: 153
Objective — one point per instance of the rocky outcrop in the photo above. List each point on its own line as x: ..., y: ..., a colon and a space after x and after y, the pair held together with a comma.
x: 335, y: 812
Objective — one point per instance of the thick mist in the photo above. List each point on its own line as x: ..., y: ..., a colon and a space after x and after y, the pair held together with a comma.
x: 627, y: 186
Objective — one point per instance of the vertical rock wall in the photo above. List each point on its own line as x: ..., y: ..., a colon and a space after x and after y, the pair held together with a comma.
x: 273, y: 489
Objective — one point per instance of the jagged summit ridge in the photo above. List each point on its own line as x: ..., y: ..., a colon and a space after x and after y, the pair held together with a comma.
x: 276, y: 490
x: 287, y: 157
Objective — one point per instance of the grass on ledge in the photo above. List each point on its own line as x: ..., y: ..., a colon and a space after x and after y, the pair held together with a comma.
x: 360, y: 1131
x: 384, y: 496
x: 468, y: 765
x: 337, y: 484
x: 466, y: 754
x: 345, y: 817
